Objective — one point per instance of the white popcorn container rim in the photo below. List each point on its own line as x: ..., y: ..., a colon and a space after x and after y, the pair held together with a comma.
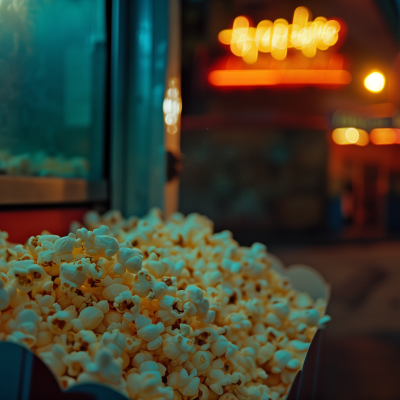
x: 304, y: 278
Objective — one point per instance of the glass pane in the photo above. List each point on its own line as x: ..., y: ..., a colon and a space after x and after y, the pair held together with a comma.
x: 52, y: 81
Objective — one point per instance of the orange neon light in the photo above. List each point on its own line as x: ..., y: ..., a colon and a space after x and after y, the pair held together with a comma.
x: 254, y: 77
x: 344, y: 136
x: 385, y: 136
x: 276, y: 37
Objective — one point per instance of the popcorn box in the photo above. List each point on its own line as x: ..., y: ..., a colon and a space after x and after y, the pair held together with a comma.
x: 306, y: 279
x: 23, y: 375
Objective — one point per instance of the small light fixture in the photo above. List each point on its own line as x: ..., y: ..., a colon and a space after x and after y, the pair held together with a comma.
x: 375, y: 82
x: 172, y: 106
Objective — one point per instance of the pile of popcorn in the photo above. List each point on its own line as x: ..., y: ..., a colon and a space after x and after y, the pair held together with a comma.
x: 157, y: 309
x: 42, y: 164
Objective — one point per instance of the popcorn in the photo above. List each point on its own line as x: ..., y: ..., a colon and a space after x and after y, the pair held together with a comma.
x: 84, y: 341
x: 187, y: 384
x: 222, y: 346
x: 201, y: 360
x: 39, y: 243
x: 282, y: 362
x: 76, y: 362
x: 64, y: 247
x: 157, y: 309
x: 156, y: 268
x: 51, y: 255
x: 141, y: 357
x: 149, y: 332
x: 112, y: 291
x: 148, y: 384
x: 3, y: 239
x: 55, y: 360
x: 115, y: 341
x: 60, y: 322
x: 66, y: 382
x: 130, y: 258
x: 42, y: 164
x: 91, y: 317
x: 26, y: 275
x: 173, y: 309
x: 203, y: 392
x: 98, y: 243
x: 46, y: 288
x: 4, y: 296
x: 44, y: 338
x: 157, y: 291
x: 143, y: 283
x: 178, y: 346
x: 196, y: 296
x: 132, y: 345
x: 127, y: 304
x: 21, y: 338
x: 73, y: 276
x: 112, y: 317
x: 17, y: 297
x: 104, y: 367
x: 24, y: 328
x: 216, y: 380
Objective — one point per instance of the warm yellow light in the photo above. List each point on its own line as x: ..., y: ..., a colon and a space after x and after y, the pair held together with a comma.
x: 352, y: 135
x: 363, y: 140
x: 339, y: 136
x: 172, y: 106
x: 344, y: 136
x: 374, y: 82
x: 276, y: 37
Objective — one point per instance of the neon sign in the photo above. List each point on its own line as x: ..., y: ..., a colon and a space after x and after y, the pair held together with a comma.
x: 260, y: 55
x: 276, y: 37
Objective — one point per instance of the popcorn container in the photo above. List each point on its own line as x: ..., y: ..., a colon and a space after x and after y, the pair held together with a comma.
x: 306, y: 279
x: 24, y: 376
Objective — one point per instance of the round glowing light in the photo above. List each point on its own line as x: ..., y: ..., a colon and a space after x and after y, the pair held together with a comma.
x: 352, y: 135
x: 374, y: 82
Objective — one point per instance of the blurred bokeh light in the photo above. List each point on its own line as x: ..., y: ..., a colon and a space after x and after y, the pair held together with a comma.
x: 375, y: 82
x: 350, y: 136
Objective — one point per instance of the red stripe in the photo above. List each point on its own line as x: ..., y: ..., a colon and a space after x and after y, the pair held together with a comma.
x: 22, y: 224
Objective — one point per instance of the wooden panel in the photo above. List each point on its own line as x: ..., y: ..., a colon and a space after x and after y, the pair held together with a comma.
x: 34, y: 190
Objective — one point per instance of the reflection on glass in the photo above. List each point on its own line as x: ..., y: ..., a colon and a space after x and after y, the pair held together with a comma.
x: 52, y: 68
x: 42, y: 164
